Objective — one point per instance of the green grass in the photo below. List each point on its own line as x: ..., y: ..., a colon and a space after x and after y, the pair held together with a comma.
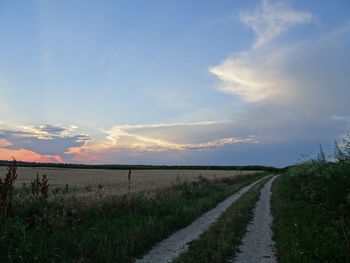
x: 311, y: 205
x: 111, y: 230
x: 220, y: 242
x: 310, y: 226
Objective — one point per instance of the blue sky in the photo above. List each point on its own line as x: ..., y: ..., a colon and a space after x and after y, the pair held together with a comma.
x: 173, y: 82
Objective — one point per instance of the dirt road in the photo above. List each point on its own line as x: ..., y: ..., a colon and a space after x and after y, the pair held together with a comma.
x: 170, y: 248
x: 257, y: 244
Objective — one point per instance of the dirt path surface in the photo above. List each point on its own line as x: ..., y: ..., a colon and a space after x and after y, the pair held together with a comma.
x: 171, y: 247
x: 257, y: 244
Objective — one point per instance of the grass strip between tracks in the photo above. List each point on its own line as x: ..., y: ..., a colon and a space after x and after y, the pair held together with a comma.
x: 221, y: 240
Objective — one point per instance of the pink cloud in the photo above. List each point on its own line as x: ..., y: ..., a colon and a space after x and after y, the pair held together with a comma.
x: 83, y: 155
x: 29, y: 156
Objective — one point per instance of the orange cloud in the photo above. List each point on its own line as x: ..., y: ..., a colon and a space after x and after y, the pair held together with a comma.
x: 84, y: 155
x: 5, y: 143
x: 29, y: 156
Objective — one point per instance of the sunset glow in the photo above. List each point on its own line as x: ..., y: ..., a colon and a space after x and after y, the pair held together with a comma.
x: 173, y: 82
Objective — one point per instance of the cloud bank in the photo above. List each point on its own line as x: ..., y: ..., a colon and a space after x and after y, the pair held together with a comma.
x: 49, y: 143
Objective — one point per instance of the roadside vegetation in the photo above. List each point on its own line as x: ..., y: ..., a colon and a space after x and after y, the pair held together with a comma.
x: 220, y: 242
x: 311, y: 205
x: 40, y: 224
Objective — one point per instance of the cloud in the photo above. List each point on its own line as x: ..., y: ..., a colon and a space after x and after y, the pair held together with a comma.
x: 47, y: 142
x: 162, y: 137
x: 272, y: 19
x: 44, y: 142
x: 254, y: 76
x: 4, y: 143
x: 29, y: 156
x: 155, y: 143
x: 295, y: 93
x: 304, y: 79
x: 49, y: 129
x: 259, y: 74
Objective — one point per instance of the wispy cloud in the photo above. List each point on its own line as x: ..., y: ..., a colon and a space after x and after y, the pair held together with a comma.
x: 154, y: 143
x: 254, y: 76
x: 258, y: 73
x: 5, y: 143
x: 271, y: 19
x: 301, y: 78
x: 50, y: 129
x: 149, y: 137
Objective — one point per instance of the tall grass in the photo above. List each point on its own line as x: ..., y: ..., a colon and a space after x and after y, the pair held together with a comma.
x: 311, y: 204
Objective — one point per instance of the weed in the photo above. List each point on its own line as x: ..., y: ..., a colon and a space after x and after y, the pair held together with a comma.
x: 99, y: 191
x: 40, y: 187
x: 129, y: 181
x: 6, y: 188
x: 66, y: 189
x: 88, y: 188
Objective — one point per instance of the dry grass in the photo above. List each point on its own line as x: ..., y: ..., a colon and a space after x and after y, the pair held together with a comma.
x: 86, y: 182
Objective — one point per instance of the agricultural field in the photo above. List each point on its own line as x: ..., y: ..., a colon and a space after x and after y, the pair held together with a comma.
x: 85, y: 182
x: 110, y: 228
x: 300, y: 214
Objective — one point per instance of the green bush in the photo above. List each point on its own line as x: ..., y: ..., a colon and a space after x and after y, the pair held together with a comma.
x: 311, y: 205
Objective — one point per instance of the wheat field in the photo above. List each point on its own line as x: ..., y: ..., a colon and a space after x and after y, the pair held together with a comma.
x: 115, y: 182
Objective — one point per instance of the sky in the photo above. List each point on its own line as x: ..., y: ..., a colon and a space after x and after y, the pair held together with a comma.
x: 173, y: 82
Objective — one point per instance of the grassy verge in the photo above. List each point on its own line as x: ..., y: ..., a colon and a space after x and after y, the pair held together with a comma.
x: 222, y: 239
x: 311, y: 218
x: 110, y: 230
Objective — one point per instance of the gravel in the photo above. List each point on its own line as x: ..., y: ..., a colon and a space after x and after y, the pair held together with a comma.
x: 257, y: 244
x: 171, y: 247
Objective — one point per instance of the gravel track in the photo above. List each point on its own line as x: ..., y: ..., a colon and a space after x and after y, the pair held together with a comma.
x: 171, y: 247
x: 257, y: 244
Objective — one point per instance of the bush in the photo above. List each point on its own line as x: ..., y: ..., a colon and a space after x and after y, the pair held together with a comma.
x: 323, y: 186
